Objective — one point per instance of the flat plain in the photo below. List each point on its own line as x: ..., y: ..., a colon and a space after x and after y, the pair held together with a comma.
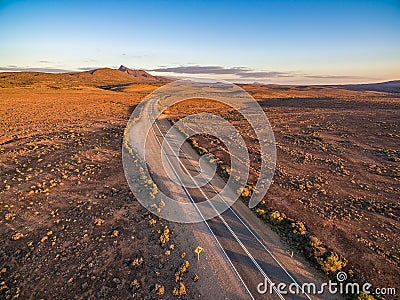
x: 63, y: 190
x: 337, y: 170
x: 69, y: 224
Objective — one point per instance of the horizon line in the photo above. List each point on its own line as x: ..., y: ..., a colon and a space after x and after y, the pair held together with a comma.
x: 53, y: 70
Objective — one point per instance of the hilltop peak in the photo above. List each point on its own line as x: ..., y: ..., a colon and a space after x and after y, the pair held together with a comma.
x: 141, y: 74
x: 122, y: 68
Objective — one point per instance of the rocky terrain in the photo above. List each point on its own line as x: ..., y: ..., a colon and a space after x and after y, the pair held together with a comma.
x: 70, y: 226
x: 338, y: 167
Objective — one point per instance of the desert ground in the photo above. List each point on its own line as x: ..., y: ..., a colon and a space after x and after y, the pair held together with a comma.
x: 70, y: 227
x: 66, y: 212
x: 337, y: 170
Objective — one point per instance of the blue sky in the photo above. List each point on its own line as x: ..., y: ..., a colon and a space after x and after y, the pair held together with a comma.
x: 264, y: 41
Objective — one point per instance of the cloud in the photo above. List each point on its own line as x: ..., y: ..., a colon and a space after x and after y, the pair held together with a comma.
x: 263, y: 74
x: 242, y: 72
x: 88, y: 68
x: 334, y: 77
x: 200, y: 70
x: 33, y: 69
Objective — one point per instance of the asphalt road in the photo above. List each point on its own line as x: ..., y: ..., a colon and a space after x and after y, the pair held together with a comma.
x: 246, y: 251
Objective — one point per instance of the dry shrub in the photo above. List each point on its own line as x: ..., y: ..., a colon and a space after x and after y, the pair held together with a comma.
x: 331, y: 262
x: 179, y: 290
x: 276, y: 217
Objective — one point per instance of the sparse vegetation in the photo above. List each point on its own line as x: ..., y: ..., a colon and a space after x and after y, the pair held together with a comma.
x: 319, y: 178
x: 98, y: 222
x: 17, y: 236
x: 180, y: 288
x: 364, y: 296
x: 275, y: 217
x: 61, y: 172
x: 64, y: 201
x: 159, y: 289
x: 331, y: 262
x: 181, y: 271
x: 164, y: 236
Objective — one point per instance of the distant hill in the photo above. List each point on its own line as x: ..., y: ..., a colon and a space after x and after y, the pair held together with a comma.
x: 98, y: 77
x: 388, y: 87
x: 143, y: 75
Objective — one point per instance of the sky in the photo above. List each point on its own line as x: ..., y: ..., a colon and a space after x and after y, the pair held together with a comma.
x: 297, y: 42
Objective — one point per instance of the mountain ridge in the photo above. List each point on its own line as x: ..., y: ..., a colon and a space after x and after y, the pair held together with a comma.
x: 392, y: 86
x: 97, y: 77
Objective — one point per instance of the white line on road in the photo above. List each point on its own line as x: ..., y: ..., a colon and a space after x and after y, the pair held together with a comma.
x: 241, y: 220
x: 220, y: 217
x: 204, y: 220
